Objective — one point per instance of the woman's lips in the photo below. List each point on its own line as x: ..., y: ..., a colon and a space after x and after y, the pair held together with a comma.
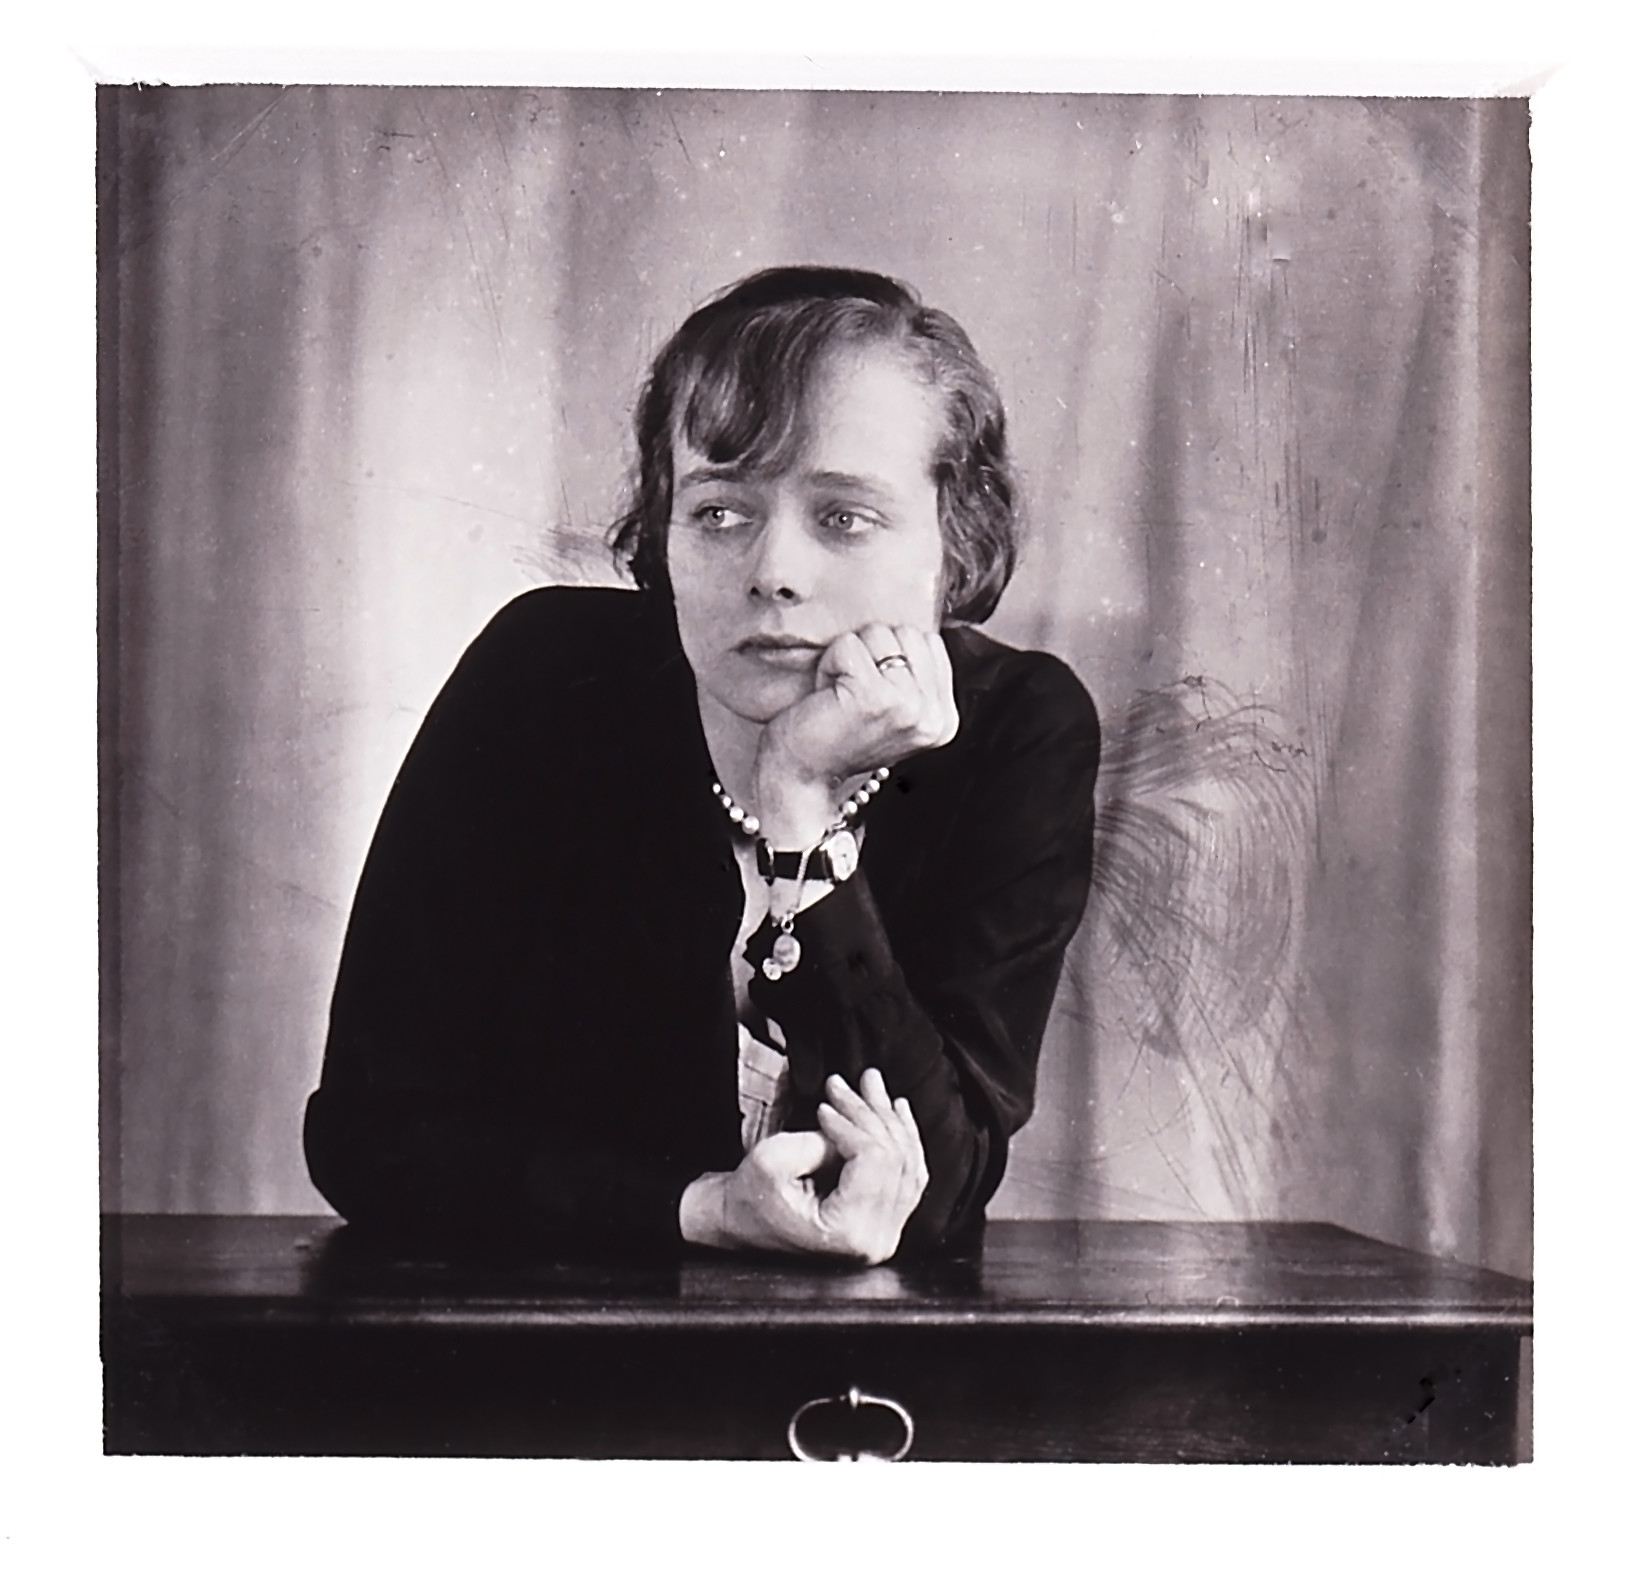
x: 781, y: 652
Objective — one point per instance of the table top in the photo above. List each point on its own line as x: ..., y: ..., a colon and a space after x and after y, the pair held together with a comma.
x: 313, y: 1270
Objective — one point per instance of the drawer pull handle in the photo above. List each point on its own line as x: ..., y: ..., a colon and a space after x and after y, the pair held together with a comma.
x: 855, y: 1400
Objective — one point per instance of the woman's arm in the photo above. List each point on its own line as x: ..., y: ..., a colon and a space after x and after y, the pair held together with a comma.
x: 455, y: 1096
x: 947, y: 994
x: 432, y: 1162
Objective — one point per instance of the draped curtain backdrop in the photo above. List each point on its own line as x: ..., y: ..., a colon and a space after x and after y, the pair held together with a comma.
x: 368, y: 360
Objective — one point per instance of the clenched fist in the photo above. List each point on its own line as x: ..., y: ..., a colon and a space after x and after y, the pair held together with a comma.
x: 880, y: 694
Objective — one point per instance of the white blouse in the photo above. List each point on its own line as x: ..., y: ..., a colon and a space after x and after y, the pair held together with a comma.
x: 763, y: 1070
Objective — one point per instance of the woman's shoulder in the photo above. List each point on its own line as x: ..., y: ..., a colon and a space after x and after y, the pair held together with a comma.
x: 999, y: 687
x: 570, y: 635
x: 555, y: 654
x: 569, y: 616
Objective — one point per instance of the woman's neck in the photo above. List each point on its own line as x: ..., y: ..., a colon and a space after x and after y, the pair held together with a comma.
x: 790, y: 814
x: 733, y: 742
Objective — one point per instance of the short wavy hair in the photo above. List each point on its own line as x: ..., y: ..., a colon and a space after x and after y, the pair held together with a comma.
x: 737, y: 377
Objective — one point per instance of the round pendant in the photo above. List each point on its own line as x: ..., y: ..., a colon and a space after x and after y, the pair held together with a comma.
x: 770, y: 968
x: 787, y: 952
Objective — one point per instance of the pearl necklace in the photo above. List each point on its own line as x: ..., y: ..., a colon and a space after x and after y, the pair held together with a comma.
x: 787, y: 951
x: 750, y: 826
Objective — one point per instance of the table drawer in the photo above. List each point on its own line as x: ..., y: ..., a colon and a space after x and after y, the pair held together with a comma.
x: 982, y: 1392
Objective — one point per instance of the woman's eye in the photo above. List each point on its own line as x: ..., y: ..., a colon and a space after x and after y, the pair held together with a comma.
x: 717, y: 517
x: 849, y: 523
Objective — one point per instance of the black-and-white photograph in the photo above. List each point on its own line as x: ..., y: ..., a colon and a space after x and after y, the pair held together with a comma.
x: 814, y: 774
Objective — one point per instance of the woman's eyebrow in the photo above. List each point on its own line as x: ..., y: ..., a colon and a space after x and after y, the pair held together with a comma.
x: 703, y: 474
x: 851, y: 482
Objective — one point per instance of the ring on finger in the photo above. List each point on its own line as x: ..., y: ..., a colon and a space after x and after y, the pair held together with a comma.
x: 892, y: 660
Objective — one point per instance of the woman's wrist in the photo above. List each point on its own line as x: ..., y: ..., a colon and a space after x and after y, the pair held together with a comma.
x: 795, y: 810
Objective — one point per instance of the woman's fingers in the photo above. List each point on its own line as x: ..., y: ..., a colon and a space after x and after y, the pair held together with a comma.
x: 894, y: 691
x: 920, y: 679
x: 944, y: 671
x: 919, y: 1174
x: 845, y: 658
x: 872, y: 1087
x: 793, y: 1154
x: 869, y: 1107
x: 917, y: 652
x: 856, y: 1111
x: 929, y: 663
x: 842, y: 1132
x: 906, y: 1116
x: 869, y: 1122
x: 872, y: 1202
x: 884, y: 645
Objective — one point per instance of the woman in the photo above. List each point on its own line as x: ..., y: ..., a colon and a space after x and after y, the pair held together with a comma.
x: 729, y: 911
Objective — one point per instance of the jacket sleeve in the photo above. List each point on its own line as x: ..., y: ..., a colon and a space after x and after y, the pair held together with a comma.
x: 953, y: 1010
x: 412, y: 1129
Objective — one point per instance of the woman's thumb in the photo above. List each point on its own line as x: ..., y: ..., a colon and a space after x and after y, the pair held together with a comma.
x: 796, y: 1153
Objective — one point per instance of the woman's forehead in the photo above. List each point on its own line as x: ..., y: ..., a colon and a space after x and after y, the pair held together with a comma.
x: 724, y: 430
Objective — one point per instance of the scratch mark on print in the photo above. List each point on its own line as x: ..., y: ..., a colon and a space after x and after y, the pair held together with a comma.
x: 679, y: 135
x: 477, y: 268
x: 216, y: 165
x: 1190, y: 941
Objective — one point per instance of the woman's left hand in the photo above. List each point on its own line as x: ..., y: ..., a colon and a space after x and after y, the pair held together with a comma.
x: 880, y: 693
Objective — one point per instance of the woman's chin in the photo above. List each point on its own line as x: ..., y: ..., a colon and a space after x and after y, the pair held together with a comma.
x: 762, y: 696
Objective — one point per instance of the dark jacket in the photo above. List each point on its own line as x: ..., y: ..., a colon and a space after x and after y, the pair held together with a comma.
x: 533, y: 1030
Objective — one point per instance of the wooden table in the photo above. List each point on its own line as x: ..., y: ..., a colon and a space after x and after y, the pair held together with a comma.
x: 1079, y: 1341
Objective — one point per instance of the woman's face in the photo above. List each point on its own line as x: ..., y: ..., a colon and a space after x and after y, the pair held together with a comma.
x: 767, y: 571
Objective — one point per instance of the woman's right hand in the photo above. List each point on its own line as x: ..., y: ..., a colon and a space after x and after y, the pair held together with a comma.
x: 883, y: 1166
x: 769, y: 1201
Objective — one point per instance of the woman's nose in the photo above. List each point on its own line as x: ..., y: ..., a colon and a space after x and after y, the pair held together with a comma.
x: 780, y: 569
